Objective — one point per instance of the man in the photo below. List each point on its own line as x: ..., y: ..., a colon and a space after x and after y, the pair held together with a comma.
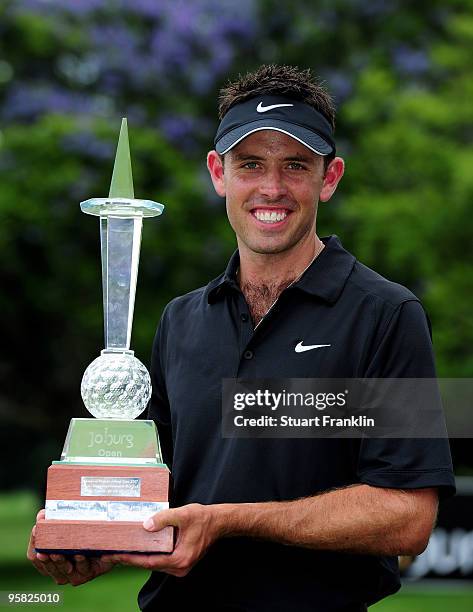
x: 282, y: 524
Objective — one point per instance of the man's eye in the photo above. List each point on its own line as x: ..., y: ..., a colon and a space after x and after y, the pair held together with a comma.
x: 251, y: 165
x: 296, y: 166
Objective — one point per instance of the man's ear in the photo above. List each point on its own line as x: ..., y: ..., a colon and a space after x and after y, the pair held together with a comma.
x: 215, y: 167
x: 332, y: 177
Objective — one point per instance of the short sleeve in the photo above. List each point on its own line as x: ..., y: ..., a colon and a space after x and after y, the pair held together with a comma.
x: 158, y: 409
x: 405, y: 351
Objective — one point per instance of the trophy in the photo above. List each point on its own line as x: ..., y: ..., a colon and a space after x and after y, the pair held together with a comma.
x: 111, y: 475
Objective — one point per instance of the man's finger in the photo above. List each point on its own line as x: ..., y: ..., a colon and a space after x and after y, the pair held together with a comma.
x: 160, y: 520
x: 55, y: 566
x: 83, y: 565
x: 103, y: 565
x: 59, y: 576
x: 30, y: 552
x: 62, y: 564
x: 87, y: 568
x: 124, y: 559
x: 32, y: 556
x: 159, y: 561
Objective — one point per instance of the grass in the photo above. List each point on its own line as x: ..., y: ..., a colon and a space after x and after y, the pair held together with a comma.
x: 415, y: 600
x: 17, y: 516
x: 117, y: 591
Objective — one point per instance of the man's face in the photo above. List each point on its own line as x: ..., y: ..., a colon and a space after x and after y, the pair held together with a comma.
x: 272, y: 184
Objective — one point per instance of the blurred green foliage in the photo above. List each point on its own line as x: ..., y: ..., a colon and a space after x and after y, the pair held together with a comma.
x: 401, y: 76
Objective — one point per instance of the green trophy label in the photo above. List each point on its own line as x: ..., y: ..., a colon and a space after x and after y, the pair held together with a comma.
x: 112, y: 441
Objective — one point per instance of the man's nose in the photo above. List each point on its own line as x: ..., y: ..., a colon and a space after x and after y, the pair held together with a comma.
x: 272, y: 184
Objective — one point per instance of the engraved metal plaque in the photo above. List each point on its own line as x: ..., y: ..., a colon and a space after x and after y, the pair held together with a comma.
x: 59, y: 509
x: 110, y: 486
x: 87, y: 510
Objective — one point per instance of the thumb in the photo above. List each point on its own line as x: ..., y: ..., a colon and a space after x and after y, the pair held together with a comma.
x: 160, y: 520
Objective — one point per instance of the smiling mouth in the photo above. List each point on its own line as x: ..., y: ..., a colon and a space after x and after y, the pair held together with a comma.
x: 270, y: 216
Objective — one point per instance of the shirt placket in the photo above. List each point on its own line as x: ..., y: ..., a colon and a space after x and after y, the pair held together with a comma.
x: 249, y: 335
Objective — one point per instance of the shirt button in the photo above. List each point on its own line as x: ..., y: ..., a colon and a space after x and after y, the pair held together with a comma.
x: 244, y: 317
x: 248, y: 354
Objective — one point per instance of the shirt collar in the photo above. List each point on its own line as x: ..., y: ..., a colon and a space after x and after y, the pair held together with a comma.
x: 218, y: 287
x: 324, y: 278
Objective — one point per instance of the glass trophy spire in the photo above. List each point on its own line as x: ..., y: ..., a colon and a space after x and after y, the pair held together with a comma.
x: 116, y: 385
x: 121, y: 185
x: 120, y: 238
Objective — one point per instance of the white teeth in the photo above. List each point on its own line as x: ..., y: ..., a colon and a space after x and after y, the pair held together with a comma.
x: 269, y: 217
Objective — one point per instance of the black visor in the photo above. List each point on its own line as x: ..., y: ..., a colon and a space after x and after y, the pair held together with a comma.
x: 292, y: 117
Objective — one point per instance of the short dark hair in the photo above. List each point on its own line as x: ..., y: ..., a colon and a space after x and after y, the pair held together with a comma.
x: 275, y: 79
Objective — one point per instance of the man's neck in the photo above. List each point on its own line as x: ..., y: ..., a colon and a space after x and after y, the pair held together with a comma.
x: 277, y: 268
x: 262, y: 279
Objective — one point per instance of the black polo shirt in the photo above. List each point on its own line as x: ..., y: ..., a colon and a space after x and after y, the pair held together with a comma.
x: 375, y: 328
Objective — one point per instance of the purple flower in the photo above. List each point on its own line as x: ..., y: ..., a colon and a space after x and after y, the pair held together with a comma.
x: 170, y: 48
x: 340, y: 86
x: 184, y: 131
x: 149, y: 8
x: 89, y: 144
x: 27, y: 101
x: 409, y: 61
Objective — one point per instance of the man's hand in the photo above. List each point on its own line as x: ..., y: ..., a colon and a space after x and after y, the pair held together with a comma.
x: 196, y: 531
x: 63, y: 571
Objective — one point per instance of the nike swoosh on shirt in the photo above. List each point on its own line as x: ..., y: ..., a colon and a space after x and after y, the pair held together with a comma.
x: 300, y: 348
x: 263, y: 109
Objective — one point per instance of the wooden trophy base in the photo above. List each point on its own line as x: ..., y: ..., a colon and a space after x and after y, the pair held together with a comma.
x: 98, y: 537
x: 79, y: 494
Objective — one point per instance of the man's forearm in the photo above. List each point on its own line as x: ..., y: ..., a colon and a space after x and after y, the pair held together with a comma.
x: 358, y: 519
